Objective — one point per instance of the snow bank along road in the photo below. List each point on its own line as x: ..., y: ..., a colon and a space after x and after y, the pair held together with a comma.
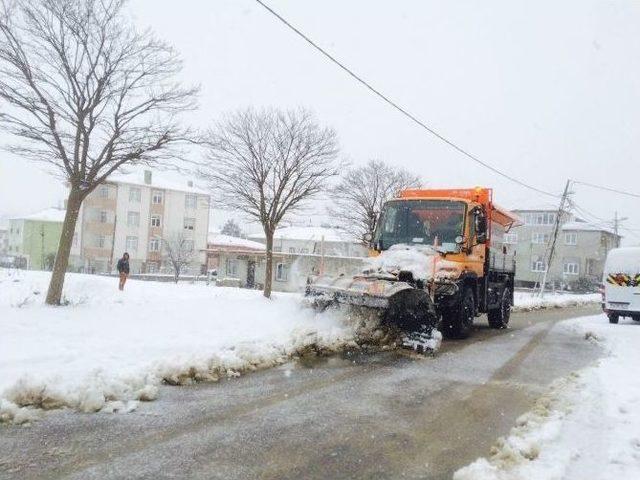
x: 386, y: 415
x: 108, y: 350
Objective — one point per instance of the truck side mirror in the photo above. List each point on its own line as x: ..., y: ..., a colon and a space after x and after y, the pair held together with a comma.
x: 481, y: 226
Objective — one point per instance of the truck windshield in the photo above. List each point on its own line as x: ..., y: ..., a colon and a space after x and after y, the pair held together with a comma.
x: 421, y: 222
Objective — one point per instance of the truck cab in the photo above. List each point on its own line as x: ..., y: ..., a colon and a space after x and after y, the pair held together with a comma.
x: 473, y: 272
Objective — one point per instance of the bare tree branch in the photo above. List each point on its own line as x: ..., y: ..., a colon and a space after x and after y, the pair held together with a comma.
x: 360, y: 195
x: 85, y: 93
x: 267, y: 164
x: 179, y: 253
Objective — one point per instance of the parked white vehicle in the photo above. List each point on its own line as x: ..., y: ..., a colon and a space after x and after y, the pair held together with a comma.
x: 621, y: 280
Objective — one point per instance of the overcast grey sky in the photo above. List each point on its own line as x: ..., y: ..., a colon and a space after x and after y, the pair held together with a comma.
x: 544, y: 90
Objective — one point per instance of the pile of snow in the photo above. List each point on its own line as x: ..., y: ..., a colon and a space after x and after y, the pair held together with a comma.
x: 587, y: 426
x: 227, y: 241
x: 108, y: 349
x: 421, y: 260
x: 527, y: 301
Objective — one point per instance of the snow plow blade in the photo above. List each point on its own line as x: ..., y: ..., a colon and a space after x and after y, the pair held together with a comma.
x: 399, y: 304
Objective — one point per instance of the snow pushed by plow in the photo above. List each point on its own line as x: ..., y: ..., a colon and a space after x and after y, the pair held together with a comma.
x: 107, y: 350
x: 587, y: 426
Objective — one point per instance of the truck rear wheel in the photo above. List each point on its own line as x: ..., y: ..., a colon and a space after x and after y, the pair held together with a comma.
x: 613, y: 317
x: 499, y: 317
x: 457, y: 321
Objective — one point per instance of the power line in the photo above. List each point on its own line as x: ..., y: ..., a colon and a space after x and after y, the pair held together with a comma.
x: 398, y: 107
x: 608, y: 189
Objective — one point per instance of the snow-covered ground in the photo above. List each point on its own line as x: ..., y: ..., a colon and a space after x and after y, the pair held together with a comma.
x: 586, y: 427
x: 108, y: 349
x: 525, y: 301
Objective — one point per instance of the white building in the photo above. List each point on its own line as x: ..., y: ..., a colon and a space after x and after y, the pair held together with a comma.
x: 136, y: 213
x: 314, y: 240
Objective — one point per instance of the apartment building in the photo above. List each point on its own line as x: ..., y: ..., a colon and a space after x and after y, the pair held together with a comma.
x: 139, y: 213
x: 581, y: 249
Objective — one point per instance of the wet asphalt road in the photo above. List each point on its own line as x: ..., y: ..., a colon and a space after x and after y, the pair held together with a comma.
x: 388, y: 415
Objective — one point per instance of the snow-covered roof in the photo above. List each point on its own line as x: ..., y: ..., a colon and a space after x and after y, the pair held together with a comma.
x: 46, y: 215
x: 220, y: 240
x: 583, y: 226
x: 157, y: 180
x: 309, y: 234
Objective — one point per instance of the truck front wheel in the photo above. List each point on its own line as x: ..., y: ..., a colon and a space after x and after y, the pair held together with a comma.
x: 499, y: 317
x: 457, y: 321
x: 613, y: 317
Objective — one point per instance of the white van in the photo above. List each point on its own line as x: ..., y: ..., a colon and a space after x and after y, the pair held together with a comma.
x: 621, y: 280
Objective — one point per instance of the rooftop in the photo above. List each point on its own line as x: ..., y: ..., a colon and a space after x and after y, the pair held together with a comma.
x: 581, y: 225
x: 162, y: 181
x: 220, y: 240
x: 46, y: 215
x: 309, y: 234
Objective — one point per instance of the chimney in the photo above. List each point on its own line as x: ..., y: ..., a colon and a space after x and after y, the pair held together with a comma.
x: 190, y: 183
x: 147, y: 177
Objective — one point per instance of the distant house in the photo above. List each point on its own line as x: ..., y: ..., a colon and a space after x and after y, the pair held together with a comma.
x: 136, y: 213
x: 581, y: 248
x: 33, y: 239
x: 306, y: 240
x: 298, y: 253
x: 234, y: 258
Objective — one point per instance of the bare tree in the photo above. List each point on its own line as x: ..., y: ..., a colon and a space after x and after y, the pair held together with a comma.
x: 267, y: 164
x: 231, y: 228
x: 361, y: 193
x: 178, y: 252
x: 85, y: 93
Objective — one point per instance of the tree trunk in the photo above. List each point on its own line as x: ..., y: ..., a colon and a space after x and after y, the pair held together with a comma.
x: 54, y: 294
x: 268, y: 274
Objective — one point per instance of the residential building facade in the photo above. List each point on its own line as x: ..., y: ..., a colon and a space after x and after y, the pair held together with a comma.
x: 314, y: 240
x: 580, y: 251
x: 33, y: 240
x: 138, y: 214
x: 242, y: 262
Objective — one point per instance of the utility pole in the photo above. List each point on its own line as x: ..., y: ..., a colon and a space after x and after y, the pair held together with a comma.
x: 616, y: 224
x: 556, y: 229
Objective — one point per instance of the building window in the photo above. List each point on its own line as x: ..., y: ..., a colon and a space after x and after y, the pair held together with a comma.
x: 133, y: 219
x: 154, y: 245
x: 540, y: 238
x: 570, y: 238
x: 132, y: 243
x: 304, y: 251
x: 155, y: 220
x: 571, y: 268
x: 104, y: 191
x: 539, y: 218
x: 231, y: 267
x: 189, y: 223
x: 188, y: 245
x: 190, y: 201
x: 152, y: 267
x: 156, y: 197
x: 134, y: 194
x: 510, y: 238
x: 282, y: 272
x: 277, y: 249
x: 101, y: 241
x: 292, y: 250
x: 538, y: 264
x: 103, y: 216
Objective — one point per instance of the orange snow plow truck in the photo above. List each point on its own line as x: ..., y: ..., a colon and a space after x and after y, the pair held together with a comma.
x: 438, y: 260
